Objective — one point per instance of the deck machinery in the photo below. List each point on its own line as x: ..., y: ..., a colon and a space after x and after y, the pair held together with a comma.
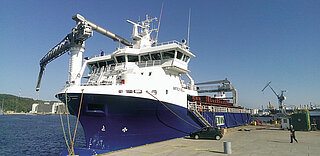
x: 75, y: 43
x: 222, y: 87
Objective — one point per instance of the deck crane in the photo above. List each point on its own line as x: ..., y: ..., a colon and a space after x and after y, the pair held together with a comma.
x: 225, y: 87
x: 280, y: 97
x: 75, y: 43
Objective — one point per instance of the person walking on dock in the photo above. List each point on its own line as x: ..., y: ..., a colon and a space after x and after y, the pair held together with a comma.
x: 292, y: 135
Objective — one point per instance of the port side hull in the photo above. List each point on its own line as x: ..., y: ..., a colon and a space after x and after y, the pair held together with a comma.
x: 116, y: 122
x: 113, y: 122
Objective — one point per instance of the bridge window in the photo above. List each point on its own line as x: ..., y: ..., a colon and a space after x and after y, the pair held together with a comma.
x: 102, y: 64
x: 156, y: 56
x: 120, y: 59
x: 179, y: 55
x: 93, y: 67
x: 132, y: 58
x: 145, y: 57
x: 185, y: 58
x: 168, y: 54
x: 110, y: 62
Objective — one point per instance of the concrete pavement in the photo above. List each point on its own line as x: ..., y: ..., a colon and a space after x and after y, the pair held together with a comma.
x: 259, y: 141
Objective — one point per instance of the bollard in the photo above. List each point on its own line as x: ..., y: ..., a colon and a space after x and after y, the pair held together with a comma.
x: 227, y: 147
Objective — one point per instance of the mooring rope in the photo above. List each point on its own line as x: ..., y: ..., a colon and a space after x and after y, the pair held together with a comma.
x: 68, y: 120
x: 75, y: 129
x: 64, y: 132
x: 173, y: 111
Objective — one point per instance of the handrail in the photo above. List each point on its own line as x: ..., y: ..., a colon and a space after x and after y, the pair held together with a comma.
x: 196, y: 106
x: 150, y: 63
x: 172, y: 42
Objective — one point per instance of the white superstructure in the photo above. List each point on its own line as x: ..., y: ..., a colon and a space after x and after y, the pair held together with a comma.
x: 141, y: 66
x: 145, y: 66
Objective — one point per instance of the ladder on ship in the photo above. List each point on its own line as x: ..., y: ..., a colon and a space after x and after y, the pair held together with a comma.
x: 192, y: 107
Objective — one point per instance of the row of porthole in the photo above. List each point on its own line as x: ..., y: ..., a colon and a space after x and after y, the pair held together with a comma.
x: 131, y: 91
x: 149, y: 73
x: 138, y: 91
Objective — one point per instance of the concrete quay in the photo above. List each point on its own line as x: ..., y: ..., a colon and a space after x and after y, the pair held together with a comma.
x: 259, y: 141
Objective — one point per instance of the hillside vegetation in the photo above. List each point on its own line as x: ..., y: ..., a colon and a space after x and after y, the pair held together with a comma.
x: 17, y: 104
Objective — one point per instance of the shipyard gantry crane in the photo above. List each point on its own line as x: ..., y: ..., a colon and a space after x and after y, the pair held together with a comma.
x: 75, y: 43
x: 225, y: 86
x: 280, y: 97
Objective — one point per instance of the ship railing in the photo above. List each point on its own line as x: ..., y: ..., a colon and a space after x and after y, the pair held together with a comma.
x: 150, y: 63
x: 199, y: 107
x: 192, y: 105
x: 172, y: 42
x: 208, y: 118
x: 96, y: 77
x: 189, y: 87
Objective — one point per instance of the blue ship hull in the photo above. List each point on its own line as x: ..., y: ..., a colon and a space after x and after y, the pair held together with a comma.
x: 112, y: 122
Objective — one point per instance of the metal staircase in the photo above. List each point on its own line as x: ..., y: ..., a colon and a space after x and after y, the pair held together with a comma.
x: 198, y: 115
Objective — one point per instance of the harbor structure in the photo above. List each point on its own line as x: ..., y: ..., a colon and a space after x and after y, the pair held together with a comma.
x: 48, y: 108
x: 1, y: 109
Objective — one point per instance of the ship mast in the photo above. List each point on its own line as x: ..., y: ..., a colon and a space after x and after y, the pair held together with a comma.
x: 141, y: 33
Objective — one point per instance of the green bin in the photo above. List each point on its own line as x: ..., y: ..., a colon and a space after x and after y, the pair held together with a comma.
x: 301, y: 121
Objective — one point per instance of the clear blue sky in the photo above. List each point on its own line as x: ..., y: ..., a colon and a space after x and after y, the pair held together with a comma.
x: 249, y: 42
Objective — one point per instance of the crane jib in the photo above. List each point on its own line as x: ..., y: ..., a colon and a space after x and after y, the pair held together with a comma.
x: 76, y: 38
x: 54, y: 53
x: 78, y: 18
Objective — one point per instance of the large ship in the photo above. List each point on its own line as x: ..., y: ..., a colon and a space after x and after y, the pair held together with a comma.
x: 139, y: 94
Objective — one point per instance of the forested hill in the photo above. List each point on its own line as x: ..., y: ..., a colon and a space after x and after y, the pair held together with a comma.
x: 17, y: 104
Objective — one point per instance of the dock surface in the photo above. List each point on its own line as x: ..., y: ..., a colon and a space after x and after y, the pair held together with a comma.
x: 259, y: 141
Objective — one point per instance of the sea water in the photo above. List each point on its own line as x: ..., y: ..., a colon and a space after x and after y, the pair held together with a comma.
x: 36, y: 134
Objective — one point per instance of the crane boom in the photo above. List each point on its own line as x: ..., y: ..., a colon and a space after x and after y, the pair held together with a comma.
x: 266, y: 86
x: 74, y: 42
x: 274, y: 92
x: 280, y: 97
x: 214, y: 82
x: 54, y: 53
x: 74, y: 39
x: 79, y: 18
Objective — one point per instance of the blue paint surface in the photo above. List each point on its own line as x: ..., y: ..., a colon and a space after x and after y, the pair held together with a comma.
x: 122, y: 122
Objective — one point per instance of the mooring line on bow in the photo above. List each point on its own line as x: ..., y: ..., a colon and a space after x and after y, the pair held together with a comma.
x: 75, y: 129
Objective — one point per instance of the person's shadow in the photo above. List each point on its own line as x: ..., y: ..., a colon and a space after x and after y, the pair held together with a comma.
x: 277, y: 141
x: 217, y: 152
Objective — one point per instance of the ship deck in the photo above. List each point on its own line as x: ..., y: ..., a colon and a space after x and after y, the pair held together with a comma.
x: 260, y: 140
